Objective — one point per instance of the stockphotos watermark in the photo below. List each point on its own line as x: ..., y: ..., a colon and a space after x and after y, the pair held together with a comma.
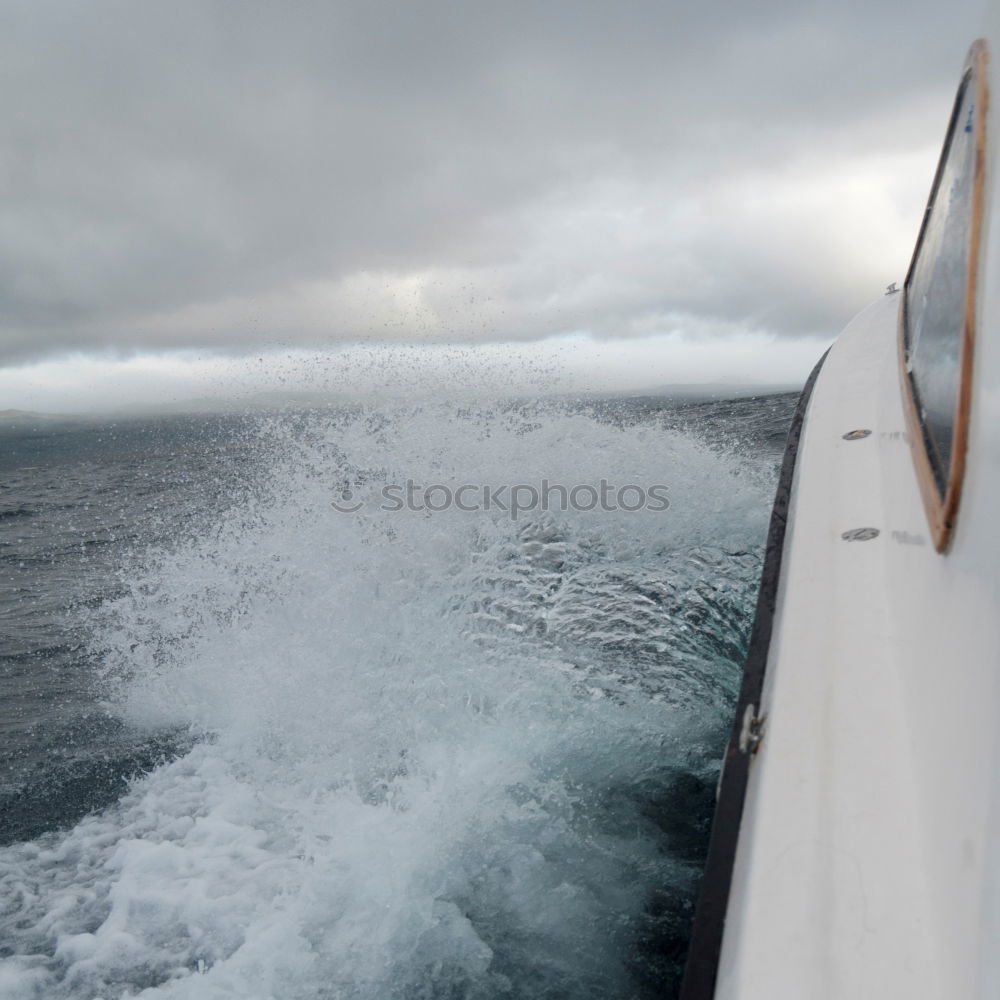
x: 512, y: 500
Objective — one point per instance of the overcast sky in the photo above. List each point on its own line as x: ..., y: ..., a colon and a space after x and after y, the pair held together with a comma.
x: 653, y: 182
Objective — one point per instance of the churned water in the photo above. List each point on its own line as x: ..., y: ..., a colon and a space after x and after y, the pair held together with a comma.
x: 259, y: 746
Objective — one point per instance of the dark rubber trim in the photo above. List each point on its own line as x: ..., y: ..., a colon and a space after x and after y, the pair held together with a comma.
x: 710, y: 917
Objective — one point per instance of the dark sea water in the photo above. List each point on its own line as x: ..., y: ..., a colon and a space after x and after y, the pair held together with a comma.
x: 253, y: 746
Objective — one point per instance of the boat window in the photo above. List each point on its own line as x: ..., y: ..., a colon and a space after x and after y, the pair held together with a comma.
x: 939, y: 304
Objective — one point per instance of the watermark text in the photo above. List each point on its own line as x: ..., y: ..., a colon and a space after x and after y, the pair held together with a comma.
x: 512, y: 500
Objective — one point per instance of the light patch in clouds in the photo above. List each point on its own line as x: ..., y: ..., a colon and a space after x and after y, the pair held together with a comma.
x: 619, y: 260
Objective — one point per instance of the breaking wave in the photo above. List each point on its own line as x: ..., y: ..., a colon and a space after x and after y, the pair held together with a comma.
x: 425, y: 754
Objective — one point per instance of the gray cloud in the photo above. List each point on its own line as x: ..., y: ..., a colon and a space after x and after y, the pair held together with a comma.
x: 233, y: 174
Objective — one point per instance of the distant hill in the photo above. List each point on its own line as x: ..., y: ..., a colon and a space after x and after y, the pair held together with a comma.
x: 695, y: 391
x: 717, y: 390
x: 29, y: 420
x: 25, y: 419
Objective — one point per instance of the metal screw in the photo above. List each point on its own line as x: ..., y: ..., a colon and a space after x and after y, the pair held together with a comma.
x: 860, y: 534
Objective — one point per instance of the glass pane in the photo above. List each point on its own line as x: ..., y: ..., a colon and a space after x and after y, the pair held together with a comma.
x: 935, y: 303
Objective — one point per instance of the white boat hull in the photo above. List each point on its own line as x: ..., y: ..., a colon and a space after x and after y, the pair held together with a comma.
x: 856, y: 852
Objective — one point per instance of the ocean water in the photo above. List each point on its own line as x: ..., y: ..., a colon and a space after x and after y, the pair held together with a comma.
x: 258, y: 747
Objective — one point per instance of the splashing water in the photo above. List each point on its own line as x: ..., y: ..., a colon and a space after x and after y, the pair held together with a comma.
x: 442, y: 754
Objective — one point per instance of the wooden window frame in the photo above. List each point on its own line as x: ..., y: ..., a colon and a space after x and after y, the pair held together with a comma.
x: 942, y: 509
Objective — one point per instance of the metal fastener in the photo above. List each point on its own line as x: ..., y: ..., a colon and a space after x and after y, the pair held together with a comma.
x: 860, y: 534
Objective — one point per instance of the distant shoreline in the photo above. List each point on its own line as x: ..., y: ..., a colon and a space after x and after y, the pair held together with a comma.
x: 15, y: 419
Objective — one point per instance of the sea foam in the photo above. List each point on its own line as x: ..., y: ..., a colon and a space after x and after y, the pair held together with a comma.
x: 435, y: 754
